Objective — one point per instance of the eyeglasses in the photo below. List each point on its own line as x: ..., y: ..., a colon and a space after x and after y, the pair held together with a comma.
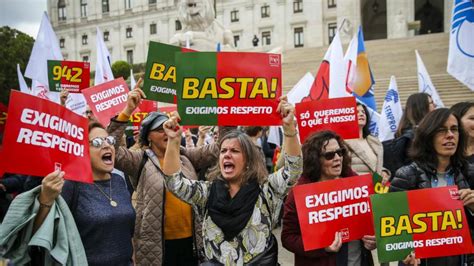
x: 444, y: 131
x: 331, y: 154
x: 98, y: 142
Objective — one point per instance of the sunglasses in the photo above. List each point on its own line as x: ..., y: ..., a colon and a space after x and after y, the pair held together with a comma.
x: 98, y: 142
x: 331, y: 154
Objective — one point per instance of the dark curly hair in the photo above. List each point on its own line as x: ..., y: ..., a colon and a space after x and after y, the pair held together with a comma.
x: 423, y: 151
x: 313, y: 149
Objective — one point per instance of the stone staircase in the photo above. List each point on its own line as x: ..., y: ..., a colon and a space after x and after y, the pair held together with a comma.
x: 390, y: 57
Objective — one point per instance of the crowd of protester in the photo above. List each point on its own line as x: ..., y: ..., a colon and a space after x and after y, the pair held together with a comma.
x: 212, y: 196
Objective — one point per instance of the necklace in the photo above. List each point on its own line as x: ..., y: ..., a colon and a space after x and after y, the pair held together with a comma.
x: 113, y: 203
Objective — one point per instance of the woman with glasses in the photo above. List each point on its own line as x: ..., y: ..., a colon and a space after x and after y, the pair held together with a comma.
x: 102, y: 210
x: 438, y: 161
x: 325, y: 158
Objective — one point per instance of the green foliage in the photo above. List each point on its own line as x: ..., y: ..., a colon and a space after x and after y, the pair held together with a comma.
x: 15, y: 49
x: 121, y: 69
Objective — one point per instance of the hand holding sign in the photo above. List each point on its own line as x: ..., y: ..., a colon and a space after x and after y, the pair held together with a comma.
x: 287, y: 112
x: 336, y: 244
x: 467, y: 197
x: 51, y: 187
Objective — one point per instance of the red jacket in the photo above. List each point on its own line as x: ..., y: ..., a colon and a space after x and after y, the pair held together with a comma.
x: 291, y: 239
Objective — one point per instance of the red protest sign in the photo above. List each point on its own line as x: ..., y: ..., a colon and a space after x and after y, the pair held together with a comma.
x: 41, y: 136
x: 340, y: 205
x: 430, y: 222
x: 228, y: 88
x: 338, y: 115
x: 68, y: 75
x: 107, y: 99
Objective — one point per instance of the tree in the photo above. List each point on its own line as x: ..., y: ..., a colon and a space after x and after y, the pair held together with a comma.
x: 15, y: 49
x: 121, y: 69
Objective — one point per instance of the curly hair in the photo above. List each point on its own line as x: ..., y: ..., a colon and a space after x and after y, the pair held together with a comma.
x: 423, y: 151
x: 254, y: 167
x: 313, y: 149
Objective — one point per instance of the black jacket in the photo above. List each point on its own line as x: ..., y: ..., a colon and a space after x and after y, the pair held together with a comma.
x: 414, y: 176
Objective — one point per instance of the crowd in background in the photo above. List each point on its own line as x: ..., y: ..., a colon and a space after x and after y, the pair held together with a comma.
x: 213, y: 195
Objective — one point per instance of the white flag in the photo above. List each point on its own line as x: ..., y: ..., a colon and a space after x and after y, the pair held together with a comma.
x: 23, y: 87
x: 391, y: 112
x: 337, y: 69
x: 46, y: 48
x: 132, y: 80
x: 424, y: 82
x: 461, y: 43
x: 103, y: 71
x: 301, y: 89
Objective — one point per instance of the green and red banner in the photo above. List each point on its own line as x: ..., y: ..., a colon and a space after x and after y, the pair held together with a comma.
x: 42, y: 136
x: 339, y: 205
x: 68, y: 75
x: 160, y: 73
x: 338, y: 115
x: 430, y: 222
x: 229, y: 88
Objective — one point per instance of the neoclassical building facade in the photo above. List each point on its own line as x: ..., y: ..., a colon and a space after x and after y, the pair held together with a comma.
x: 257, y: 25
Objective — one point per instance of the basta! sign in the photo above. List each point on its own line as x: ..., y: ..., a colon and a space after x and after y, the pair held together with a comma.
x: 229, y: 88
x: 340, y: 205
x: 430, y: 222
x: 160, y: 72
x: 107, y: 99
x: 41, y: 136
x: 338, y: 115
x: 68, y: 75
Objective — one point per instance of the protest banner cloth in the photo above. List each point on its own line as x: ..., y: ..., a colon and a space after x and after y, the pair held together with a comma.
x: 229, y: 88
x: 380, y: 188
x: 160, y: 72
x: 338, y: 115
x: 339, y: 205
x: 430, y: 222
x: 68, y: 75
x: 107, y: 99
x: 42, y: 136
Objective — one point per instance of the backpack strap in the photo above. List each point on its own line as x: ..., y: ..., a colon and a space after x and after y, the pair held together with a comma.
x: 141, y: 166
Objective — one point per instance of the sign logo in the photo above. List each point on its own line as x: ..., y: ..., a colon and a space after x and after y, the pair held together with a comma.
x: 274, y: 60
x: 345, y: 234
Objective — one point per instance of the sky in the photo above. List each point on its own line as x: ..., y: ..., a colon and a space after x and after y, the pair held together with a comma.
x: 23, y: 15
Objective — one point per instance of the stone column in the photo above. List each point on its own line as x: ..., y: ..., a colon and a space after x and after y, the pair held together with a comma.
x: 399, y: 13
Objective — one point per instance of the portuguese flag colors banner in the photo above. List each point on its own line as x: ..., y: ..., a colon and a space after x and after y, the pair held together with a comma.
x: 68, y: 75
x: 228, y: 88
x: 160, y: 73
x: 430, y: 222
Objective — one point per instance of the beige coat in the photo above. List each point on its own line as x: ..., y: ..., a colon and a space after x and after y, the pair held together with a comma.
x: 360, y: 160
x: 150, y: 190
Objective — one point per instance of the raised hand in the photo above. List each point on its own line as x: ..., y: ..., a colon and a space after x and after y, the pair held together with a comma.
x: 134, y: 98
x: 369, y: 242
x: 172, y: 128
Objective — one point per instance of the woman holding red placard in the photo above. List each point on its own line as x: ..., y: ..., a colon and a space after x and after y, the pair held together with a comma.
x: 102, y: 210
x: 438, y: 161
x: 325, y: 158
x: 240, y: 203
